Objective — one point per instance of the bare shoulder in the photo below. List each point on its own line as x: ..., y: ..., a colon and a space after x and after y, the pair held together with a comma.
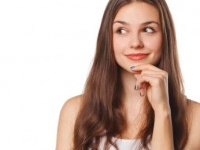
x: 194, y: 121
x: 66, y: 123
x: 71, y: 106
x: 193, y: 112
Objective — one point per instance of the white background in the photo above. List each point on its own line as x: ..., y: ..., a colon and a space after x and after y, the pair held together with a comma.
x: 46, y: 50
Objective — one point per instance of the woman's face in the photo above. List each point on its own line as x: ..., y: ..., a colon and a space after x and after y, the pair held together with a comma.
x: 137, y: 37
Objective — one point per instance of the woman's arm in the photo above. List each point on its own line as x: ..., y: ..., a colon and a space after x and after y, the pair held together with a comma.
x: 194, y: 126
x: 162, y: 133
x: 66, y: 124
x: 153, y: 82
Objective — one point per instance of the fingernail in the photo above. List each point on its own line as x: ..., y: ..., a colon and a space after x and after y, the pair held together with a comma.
x: 132, y: 67
x: 136, y: 87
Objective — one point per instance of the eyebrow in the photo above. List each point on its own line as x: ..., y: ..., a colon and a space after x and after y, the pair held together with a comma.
x: 145, y: 23
x: 121, y: 22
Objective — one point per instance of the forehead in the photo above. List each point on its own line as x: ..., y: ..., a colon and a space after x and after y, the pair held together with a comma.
x: 138, y: 12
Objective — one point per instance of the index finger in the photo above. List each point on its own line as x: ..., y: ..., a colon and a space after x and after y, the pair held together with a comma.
x: 140, y: 68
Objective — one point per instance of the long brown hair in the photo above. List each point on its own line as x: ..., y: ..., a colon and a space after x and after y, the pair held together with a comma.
x: 101, y: 112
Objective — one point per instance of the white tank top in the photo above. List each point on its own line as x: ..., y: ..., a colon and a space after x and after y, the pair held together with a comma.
x: 123, y: 144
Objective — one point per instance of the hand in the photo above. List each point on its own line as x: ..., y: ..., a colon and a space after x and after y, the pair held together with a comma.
x: 153, y: 82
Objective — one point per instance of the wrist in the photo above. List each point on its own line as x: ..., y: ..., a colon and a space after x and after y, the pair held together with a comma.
x: 163, y: 111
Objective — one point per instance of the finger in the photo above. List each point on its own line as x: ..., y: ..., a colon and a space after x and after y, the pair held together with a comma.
x: 139, y: 68
x: 148, y: 71
x: 152, y: 80
x: 163, y: 75
x: 143, y: 89
x: 154, y: 72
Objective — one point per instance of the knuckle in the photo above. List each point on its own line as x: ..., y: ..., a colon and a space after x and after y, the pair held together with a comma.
x: 165, y: 74
x: 158, y: 81
x: 142, y: 75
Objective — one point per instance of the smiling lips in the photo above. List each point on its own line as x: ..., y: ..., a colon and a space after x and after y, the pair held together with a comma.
x: 138, y: 56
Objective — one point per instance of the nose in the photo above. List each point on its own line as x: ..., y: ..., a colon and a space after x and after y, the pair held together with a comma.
x: 136, y: 41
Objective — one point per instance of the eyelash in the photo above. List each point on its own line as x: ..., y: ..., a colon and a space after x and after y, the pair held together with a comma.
x: 146, y: 28
x: 119, y: 31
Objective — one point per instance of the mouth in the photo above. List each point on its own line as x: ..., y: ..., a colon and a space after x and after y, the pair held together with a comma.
x: 138, y: 56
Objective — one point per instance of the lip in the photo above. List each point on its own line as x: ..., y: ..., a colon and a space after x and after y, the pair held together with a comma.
x: 138, y: 56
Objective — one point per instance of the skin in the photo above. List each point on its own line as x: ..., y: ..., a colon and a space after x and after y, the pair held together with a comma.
x: 138, y: 34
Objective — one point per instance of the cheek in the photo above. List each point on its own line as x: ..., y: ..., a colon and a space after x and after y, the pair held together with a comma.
x: 119, y: 44
x: 154, y: 44
x: 116, y: 47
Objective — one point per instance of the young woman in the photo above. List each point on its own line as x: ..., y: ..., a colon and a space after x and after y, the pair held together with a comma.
x: 134, y: 96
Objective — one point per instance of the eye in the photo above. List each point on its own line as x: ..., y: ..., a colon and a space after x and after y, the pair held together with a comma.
x: 148, y: 30
x: 121, y: 31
